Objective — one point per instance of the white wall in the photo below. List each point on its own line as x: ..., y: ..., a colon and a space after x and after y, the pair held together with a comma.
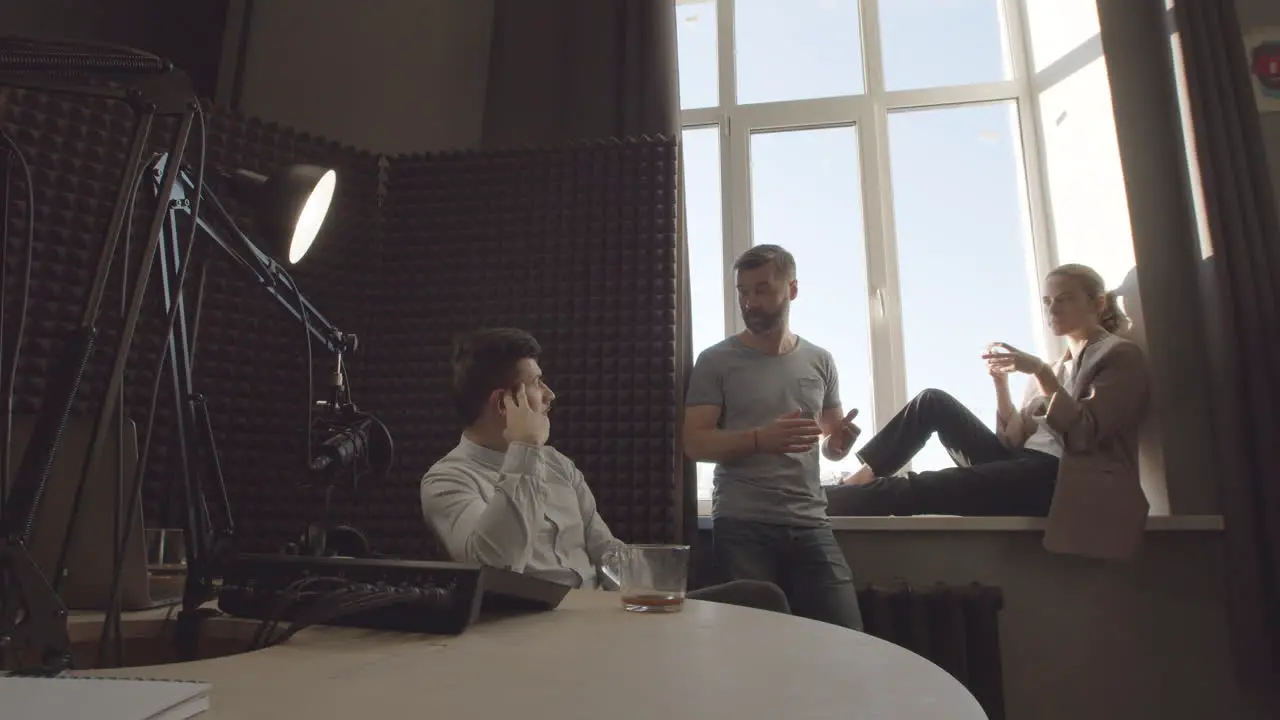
x: 389, y: 76
x: 1080, y: 639
x: 1083, y: 639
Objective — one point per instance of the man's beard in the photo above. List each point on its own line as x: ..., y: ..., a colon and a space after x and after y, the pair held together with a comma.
x: 760, y: 322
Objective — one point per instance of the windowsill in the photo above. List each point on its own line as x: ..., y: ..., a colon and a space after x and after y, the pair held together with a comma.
x: 951, y: 523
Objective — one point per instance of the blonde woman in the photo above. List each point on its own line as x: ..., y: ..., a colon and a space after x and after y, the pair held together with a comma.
x: 1075, y: 433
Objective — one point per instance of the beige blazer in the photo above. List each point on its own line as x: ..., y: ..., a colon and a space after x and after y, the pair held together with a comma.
x: 1098, y: 509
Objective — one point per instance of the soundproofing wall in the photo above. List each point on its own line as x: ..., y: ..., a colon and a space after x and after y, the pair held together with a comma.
x: 575, y: 244
x: 251, y: 354
x: 76, y: 149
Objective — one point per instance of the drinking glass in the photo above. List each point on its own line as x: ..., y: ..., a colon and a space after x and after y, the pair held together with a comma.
x: 652, y: 578
x: 166, y: 551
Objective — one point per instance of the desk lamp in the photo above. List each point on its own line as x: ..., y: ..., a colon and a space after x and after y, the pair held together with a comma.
x: 291, y: 204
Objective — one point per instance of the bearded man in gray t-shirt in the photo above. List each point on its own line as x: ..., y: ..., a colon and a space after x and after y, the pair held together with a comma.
x: 759, y: 404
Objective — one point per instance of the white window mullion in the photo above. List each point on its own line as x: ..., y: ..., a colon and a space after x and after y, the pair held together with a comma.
x: 736, y: 222
x: 700, y: 117
x: 872, y: 57
x: 725, y: 51
x: 1039, y: 205
x: 799, y: 113
x: 957, y: 95
x: 888, y: 352
x: 728, y: 168
x: 887, y: 360
x: 738, y: 190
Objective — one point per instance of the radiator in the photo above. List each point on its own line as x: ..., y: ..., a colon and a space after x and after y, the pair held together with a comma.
x: 954, y: 626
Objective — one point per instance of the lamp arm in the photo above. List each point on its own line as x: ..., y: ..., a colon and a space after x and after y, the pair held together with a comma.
x: 217, y: 223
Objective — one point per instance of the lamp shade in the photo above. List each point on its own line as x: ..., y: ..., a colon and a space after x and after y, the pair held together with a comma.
x: 291, y: 203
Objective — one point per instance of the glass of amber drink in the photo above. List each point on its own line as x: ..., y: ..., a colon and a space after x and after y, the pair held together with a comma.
x: 652, y: 578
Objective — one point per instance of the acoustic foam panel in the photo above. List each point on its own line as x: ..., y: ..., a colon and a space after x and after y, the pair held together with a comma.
x: 253, y: 377
x: 75, y: 148
x: 574, y: 244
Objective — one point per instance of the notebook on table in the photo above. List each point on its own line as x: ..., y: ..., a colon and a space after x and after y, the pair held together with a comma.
x: 71, y: 698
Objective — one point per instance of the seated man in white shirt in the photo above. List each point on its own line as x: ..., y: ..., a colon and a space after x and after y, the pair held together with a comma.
x: 504, y: 498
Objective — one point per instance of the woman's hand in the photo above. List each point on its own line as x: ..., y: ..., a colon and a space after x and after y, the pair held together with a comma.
x: 1000, y: 376
x: 840, y: 442
x: 1003, y: 359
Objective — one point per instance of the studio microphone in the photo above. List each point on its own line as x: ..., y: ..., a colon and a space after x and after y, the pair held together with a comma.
x: 344, y: 447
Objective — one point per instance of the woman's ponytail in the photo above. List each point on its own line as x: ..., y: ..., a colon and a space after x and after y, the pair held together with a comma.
x: 1113, y: 319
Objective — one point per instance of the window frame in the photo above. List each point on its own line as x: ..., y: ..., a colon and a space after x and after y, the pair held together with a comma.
x: 869, y: 112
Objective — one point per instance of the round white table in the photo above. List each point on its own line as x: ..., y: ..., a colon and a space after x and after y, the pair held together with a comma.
x: 588, y: 659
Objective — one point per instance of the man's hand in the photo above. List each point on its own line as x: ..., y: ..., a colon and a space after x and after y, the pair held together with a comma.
x: 841, y: 441
x: 524, y: 424
x: 791, y: 433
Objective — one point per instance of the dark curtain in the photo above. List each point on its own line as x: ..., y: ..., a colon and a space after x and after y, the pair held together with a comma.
x: 1245, y: 237
x: 570, y: 70
x: 562, y: 70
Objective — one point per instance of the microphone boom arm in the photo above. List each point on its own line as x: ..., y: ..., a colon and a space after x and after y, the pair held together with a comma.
x: 209, y: 547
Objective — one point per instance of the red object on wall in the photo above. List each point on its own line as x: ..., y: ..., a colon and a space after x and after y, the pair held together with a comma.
x: 1266, y: 65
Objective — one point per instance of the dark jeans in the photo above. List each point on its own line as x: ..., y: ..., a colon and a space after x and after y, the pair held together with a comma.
x: 745, y: 593
x: 805, y: 562
x: 989, y: 480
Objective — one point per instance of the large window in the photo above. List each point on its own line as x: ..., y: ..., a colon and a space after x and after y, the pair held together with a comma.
x: 1090, y: 213
x: 926, y: 162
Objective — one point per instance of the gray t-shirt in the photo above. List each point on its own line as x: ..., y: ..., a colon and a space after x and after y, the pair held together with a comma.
x: 752, y: 389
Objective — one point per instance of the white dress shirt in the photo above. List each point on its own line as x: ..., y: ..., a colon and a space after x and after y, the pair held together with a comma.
x: 527, y: 510
x: 1044, y: 439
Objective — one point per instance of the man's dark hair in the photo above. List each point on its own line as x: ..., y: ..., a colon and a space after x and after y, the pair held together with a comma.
x: 485, y: 360
x: 784, y: 263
